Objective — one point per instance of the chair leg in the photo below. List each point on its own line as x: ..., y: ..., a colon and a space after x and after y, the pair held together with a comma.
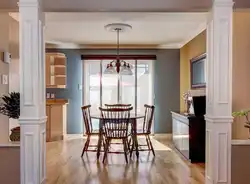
x: 86, y: 145
x: 106, y: 150
x: 152, y: 148
x: 132, y: 148
x: 128, y: 142
x: 149, y: 147
x: 125, y: 149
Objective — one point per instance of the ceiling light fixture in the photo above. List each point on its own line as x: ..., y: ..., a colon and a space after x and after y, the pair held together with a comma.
x: 118, y: 66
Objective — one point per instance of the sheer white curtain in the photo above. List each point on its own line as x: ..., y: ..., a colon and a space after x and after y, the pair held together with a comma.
x: 136, y: 89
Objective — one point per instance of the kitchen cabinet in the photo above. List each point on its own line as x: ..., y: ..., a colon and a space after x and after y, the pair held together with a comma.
x: 56, y: 119
x: 189, y: 136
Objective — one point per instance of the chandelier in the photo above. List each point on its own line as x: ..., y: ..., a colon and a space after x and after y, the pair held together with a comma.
x: 118, y: 66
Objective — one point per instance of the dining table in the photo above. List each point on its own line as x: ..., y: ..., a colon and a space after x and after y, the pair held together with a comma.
x: 133, y: 119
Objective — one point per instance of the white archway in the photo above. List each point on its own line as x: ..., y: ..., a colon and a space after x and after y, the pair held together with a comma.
x: 219, y: 93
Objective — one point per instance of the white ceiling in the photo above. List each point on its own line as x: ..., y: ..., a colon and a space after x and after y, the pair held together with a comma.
x: 168, y: 30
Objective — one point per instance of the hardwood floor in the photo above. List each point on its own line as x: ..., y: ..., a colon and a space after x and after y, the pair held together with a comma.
x: 65, y: 166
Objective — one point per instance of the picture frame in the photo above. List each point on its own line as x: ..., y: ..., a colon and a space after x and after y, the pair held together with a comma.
x: 197, y: 71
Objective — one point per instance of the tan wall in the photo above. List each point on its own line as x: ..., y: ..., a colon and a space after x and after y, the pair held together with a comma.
x: 14, y: 77
x: 4, y: 69
x: 240, y: 164
x: 10, y: 165
x: 241, y: 70
x: 194, y: 48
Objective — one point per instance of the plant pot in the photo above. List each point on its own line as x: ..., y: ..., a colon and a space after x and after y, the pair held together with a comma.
x: 15, y: 134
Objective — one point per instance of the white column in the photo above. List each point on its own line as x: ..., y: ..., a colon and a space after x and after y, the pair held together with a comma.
x: 219, y: 93
x: 32, y: 92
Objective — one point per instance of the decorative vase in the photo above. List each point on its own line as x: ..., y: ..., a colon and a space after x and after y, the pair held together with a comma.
x: 188, y: 106
x: 15, y: 134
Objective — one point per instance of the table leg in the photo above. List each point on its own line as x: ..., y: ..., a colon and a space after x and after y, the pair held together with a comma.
x: 99, y: 144
x: 135, y: 138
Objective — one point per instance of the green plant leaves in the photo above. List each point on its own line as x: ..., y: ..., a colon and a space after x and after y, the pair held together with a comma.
x: 240, y: 113
x: 11, y: 105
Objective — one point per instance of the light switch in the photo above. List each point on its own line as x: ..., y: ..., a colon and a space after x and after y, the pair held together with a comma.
x: 4, y: 79
x: 79, y: 86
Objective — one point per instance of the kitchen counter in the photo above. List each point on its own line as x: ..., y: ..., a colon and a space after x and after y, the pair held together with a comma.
x: 56, y: 122
x: 56, y: 101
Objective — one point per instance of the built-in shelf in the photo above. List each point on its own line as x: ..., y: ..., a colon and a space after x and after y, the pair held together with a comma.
x: 55, y: 70
x: 56, y: 86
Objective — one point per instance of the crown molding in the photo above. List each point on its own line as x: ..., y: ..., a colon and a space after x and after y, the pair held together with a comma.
x: 202, y: 27
x: 14, y: 16
x: 170, y: 46
x: 110, y: 46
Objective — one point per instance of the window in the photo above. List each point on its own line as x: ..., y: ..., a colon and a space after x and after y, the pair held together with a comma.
x: 100, y: 88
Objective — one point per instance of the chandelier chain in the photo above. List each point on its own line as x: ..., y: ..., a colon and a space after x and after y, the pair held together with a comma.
x: 118, y: 41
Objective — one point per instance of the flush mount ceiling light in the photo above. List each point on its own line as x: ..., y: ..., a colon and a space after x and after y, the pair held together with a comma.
x: 118, y: 66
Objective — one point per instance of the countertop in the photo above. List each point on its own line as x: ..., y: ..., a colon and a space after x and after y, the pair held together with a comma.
x: 9, y: 144
x: 56, y: 101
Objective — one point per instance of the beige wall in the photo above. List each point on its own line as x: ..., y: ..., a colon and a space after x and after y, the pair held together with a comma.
x: 9, y: 41
x: 194, y: 48
x: 14, y: 82
x: 4, y: 69
x: 241, y: 69
x: 10, y: 165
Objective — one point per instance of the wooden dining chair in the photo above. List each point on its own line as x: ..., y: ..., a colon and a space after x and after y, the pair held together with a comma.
x: 146, y: 129
x: 89, y: 131
x: 123, y: 106
x: 115, y: 123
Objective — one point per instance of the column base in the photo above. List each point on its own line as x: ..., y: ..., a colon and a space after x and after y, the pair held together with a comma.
x: 218, y: 150
x: 33, y: 151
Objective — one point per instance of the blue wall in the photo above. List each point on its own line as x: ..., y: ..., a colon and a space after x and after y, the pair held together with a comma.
x: 72, y: 93
x: 167, y: 89
x: 166, y: 84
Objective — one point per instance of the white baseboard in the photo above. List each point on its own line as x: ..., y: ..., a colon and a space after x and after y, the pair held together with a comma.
x: 165, y: 136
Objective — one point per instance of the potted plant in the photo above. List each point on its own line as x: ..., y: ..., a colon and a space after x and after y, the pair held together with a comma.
x: 243, y: 113
x: 10, y: 106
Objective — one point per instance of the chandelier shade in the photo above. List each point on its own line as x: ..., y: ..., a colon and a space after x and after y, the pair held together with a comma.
x: 118, y: 66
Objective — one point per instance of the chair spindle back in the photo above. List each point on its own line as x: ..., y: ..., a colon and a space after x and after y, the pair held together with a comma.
x: 148, y: 118
x: 122, y: 106
x: 115, y: 122
x: 87, y: 119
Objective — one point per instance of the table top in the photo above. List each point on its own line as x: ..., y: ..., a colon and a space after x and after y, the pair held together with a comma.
x: 132, y: 116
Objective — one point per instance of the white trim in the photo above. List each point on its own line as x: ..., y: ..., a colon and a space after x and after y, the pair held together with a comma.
x: 170, y: 46
x: 60, y: 45
x: 239, y: 142
x: 85, y: 93
x: 218, y: 119
x: 163, y: 136
x: 153, y: 92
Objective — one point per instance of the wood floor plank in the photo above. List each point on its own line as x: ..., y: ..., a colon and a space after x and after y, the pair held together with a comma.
x: 65, y: 166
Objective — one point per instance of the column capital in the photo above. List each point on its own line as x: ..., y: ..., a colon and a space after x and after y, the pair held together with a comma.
x: 223, y: 3
x: 29, y: 3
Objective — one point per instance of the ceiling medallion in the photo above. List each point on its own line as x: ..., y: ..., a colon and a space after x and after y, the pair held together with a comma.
x: 118, y: 66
